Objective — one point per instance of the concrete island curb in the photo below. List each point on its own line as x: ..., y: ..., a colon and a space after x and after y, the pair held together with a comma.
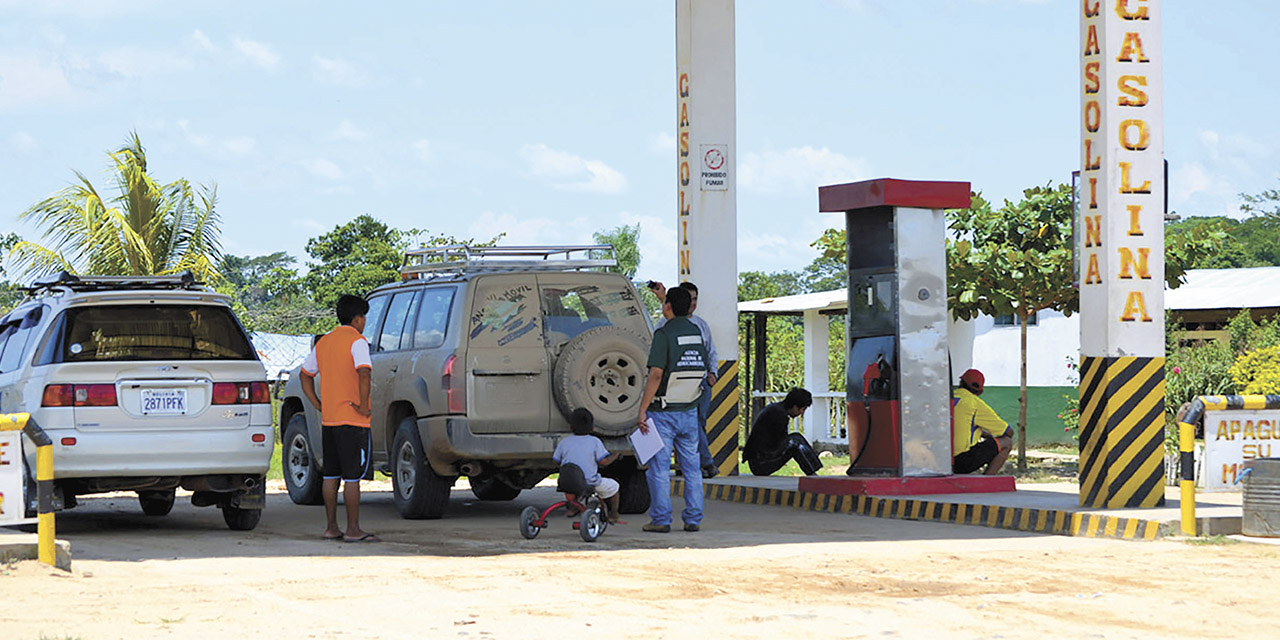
x: 1030, y: 519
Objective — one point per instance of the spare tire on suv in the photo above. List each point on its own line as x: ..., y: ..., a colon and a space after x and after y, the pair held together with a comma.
x: 603, y: 369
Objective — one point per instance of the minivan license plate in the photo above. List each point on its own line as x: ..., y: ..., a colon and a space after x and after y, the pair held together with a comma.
x: 164, y: 401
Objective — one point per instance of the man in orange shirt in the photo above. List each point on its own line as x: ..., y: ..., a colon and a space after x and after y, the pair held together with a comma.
x: 341, y: 359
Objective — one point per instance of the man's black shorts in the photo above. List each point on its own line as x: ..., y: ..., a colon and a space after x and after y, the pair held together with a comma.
x: 346, y: 452
x: 976, y: 457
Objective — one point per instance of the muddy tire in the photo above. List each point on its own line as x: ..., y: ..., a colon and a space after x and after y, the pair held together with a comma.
x: 419, y: 493
x: 633, y: 488
x: 157, y: 503
x: 238, y: 519
x: 603, y: 369
x: 493, y: 489
x: 299, y: 464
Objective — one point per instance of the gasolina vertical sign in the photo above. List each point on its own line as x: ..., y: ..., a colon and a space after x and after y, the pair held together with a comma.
x: 1122, y: 168
x: 1121, y: 251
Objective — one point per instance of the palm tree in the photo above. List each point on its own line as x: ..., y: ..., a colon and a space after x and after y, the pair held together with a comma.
x: 147, y: 229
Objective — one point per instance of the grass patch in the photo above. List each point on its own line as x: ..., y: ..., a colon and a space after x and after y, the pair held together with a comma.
x: 1211, y: 541
x: 275, y: 472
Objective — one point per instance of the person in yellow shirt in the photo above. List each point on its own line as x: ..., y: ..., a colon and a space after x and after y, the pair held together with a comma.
x: 979, y: 437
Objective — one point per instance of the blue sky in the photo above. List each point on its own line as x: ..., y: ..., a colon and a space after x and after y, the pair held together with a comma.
x: 551, y: 120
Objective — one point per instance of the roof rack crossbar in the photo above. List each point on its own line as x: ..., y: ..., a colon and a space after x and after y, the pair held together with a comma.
x: 463, y: 258
x: 73, y: 282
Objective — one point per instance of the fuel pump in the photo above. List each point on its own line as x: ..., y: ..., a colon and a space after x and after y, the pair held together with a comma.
x: 898, y: 392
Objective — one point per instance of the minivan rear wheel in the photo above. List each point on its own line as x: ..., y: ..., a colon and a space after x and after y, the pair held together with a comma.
x: 157, y: 503
x: 301, y: 471
x: 419, y: 492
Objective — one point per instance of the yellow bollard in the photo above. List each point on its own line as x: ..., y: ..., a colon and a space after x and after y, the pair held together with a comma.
x: 46, y: 546
x: 1187, y: 448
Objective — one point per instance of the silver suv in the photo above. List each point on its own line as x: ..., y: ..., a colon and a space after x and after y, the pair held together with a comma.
x: 144, y: 384
x: 479, y: 355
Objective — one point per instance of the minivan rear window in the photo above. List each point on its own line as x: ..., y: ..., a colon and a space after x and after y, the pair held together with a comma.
x: 147, y: 332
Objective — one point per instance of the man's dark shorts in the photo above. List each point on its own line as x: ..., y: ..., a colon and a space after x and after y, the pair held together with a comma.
x: 976, y: 457
x: 346, y: 452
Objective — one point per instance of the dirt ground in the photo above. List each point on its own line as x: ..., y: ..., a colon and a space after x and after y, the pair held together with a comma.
x: 753, y: 572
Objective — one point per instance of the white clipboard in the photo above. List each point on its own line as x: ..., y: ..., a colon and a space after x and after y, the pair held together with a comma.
x: 646, y: 445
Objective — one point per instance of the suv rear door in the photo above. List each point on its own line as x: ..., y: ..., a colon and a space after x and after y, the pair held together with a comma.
x: 508, y: 370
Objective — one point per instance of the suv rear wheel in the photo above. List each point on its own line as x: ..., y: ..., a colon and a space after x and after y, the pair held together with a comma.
x: 157, y: 503
x: 301, y: 474
x: 238, y: 519
x: 633, y: 487
x: 419, y: 492
x: 603, y: 369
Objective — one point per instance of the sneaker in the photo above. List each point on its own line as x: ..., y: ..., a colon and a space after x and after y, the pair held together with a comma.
x: 692, y: 528
x: 656, y: 528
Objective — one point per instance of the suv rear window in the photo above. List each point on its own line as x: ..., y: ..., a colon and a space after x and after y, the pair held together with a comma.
x: 147, y: 332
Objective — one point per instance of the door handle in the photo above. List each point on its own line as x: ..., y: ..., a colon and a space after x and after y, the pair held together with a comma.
x: 394, y: 368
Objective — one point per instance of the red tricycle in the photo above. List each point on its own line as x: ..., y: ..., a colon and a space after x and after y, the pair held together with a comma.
x: 579, y: 496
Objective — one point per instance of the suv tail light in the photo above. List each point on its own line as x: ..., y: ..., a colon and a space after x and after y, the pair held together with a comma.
x: 241, y: 393
x: 455, y: 386
x: 79, y: 395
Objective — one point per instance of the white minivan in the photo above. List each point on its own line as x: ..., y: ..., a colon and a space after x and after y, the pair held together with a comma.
x: 143, y: 384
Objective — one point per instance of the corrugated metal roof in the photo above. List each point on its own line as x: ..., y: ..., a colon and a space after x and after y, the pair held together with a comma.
x: 822, y: 300
x: 1251, y: 288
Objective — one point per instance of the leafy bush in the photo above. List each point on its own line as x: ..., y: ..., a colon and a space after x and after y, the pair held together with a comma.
x: 1258, y: 371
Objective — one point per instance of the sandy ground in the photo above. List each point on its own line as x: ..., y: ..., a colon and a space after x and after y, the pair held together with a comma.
x: 753, y: 572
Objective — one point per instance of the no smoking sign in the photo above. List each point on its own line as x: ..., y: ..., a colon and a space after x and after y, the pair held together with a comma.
x: 715, y: 167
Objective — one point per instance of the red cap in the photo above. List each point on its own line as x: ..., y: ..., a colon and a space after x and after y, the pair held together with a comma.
x: 974, y: 380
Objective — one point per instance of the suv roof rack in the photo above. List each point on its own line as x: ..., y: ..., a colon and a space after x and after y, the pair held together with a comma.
x: 458, y: 259
x: 72, y: 282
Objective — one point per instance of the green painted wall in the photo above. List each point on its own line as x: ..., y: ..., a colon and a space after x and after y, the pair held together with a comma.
x: 1043, y: 406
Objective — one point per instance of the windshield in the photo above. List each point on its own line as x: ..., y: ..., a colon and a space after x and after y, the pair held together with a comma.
x: 147, y: 332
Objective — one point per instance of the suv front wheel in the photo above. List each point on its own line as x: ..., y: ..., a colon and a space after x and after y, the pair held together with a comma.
x: 419, y: 492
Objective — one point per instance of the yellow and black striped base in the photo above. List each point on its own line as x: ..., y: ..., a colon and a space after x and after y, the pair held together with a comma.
x: 1121, y: 432
x: 1053, y: 521
x: 722, y: 424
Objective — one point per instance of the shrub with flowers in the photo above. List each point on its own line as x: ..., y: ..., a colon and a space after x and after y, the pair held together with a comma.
x: 1257, y: 371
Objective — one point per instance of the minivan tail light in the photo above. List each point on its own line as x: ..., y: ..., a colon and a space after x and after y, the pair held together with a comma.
x: 95, y: 395
x: 455, y: 387
x: 79, y: 395
x: 259, y: 393
x: 58, y: 395
x: 241, y: 393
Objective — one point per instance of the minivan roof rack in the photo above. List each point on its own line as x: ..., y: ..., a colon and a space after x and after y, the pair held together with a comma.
x: 73, y: 282
x: 463, y: 259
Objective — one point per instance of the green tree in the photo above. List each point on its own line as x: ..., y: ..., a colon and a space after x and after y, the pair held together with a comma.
x: 1015, y: 260
x: 10, y: 293
x: 626, y: 247
x: 361, y: 255
x: 269, y: 295
x: 146, y: 228
x: 1266, y: 203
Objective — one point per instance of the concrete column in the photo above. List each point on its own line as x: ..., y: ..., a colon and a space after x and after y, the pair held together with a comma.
x: 817, y: 419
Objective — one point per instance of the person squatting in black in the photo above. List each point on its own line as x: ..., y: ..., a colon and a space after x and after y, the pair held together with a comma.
x: 769, y: 446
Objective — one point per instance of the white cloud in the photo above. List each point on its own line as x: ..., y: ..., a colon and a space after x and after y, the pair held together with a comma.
x: 202, y: 41
x: 347, y: 130
x: 518, y: 231
x: 258, y: 53
x: 25, y: 80
x: 569, y: 172
x: 423, y: 150
x: 663, y: 142
x: 798, y: 170
x: 308, y: 225
x: 336, y: 71
x: 132, y: 62
x: 23, y: 142
x: 239, y: 145
x: 236, y: 145
x: 323, y: 168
